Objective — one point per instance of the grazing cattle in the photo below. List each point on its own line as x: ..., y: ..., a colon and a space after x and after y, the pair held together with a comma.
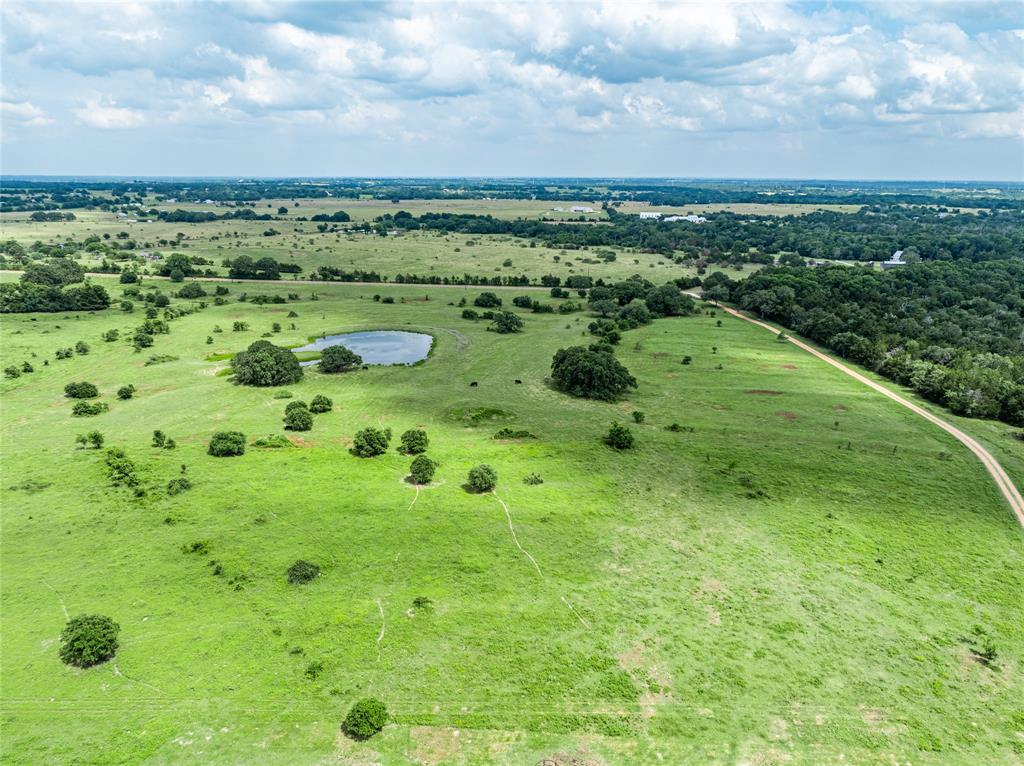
x: 519, y: 382
x: 473, y: 384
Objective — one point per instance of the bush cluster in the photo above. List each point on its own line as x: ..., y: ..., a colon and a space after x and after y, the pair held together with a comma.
x: 371, y: 442
x: 414, y: 441
x: 302, y: 572
x: 88, y: 640
x: 482, y: 478
x: 320, y: 404
x: 422, y: 470
x: 84, y: 409
x: 367, y: 717
x: 227, y: 444
x: 297, y: 416
x: 81, y: 391
x: 619, y: 437
x: 120, y: 468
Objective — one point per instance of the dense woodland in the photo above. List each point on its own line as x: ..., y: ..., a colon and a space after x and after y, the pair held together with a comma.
x: 872, y: 234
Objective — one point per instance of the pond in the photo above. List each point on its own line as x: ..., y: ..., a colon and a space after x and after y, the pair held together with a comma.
x: 376, y: 346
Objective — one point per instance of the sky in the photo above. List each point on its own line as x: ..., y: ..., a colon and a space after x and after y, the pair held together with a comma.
x: 884, y: 90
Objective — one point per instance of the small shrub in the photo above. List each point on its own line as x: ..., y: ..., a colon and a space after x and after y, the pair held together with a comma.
x: 422, y: 470
x: 313, y: 670
x: 298, y: 419
x: 111, y: 335
x: 81, y: 391
x: 298, y: 404
x: 533, y: 479
x: 82, y: 347
x: 88, y: 409
x: 302, y: 572
x: 283, y: 395
x: 120, y: 468
x: 227, y: 444
x: 320, y: 404
x: 469, y: 314
x: 126, y: 392
x: 414, y: 442
x: 619, y: 437
x: 422, y: 603
x: 159, y: 439
x: 179, y: 485
x: 27, y: 367
x: 512, y: 433
x: 638, y: 417
x: 160, y: 359
x: 687, y: 359
x: 12, y: 372
x: 274, y: 441
x: 482, y: 478
x: 199, y: 547
x: 92, y: 439
x: 371, y: 442
x: 88, y: 640
x: 366, y: 718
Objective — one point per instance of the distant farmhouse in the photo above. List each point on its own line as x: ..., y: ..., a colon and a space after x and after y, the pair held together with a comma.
x: 582, y: 209
x: 650, y: 216
x: 896, y: 260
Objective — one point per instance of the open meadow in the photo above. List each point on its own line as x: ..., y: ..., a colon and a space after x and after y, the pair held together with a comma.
x: 798, y: 571
x: 423, y: 253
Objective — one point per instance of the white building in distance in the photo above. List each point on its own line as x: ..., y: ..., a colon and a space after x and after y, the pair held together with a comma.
x: 894, y: 261
x: 691, y: 218
x: 650, y: 216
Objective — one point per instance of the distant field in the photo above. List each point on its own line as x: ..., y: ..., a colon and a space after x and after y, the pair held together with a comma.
x: 423, y: 253
x: 803, y: 573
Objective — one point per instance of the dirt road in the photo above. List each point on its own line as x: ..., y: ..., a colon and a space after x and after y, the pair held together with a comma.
x: 1003, y: 482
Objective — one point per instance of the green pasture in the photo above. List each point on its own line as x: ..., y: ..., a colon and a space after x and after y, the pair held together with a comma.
x: 803, y: 572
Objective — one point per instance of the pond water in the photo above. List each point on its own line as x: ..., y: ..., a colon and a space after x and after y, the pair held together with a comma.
x: 376, y: 346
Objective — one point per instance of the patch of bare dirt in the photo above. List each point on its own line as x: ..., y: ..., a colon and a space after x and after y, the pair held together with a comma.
x: 763, y: 392
x: 788, y: 366
x: 434, y: 744
x: 786, y: 415
x: 840, y: 407
x: 653, y: 681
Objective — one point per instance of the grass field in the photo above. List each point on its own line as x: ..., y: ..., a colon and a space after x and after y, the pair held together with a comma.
x: 805, y: 577
x: 421, y: 253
